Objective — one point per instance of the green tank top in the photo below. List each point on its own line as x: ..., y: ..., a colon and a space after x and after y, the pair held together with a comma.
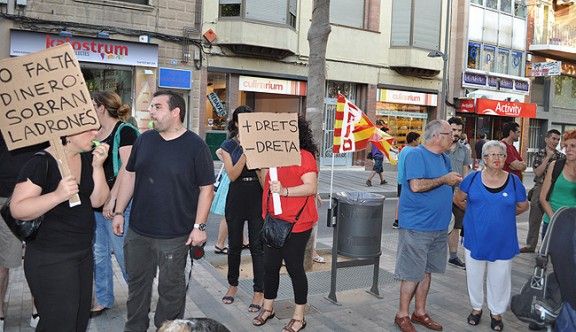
x: 564, y: 194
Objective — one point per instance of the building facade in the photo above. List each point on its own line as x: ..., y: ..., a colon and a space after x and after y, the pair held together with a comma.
x: 487, y: 79
x: 224, y: 53
x: 132, y: 47
x: 376, y: 56
x: 552, y: 45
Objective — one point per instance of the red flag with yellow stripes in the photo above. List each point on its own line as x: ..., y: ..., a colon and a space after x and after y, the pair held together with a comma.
x: 352, y: 128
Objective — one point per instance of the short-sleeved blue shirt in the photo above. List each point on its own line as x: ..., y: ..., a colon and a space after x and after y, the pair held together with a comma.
x: 490, y: 218
x: 401, y: 161
x: 428, y: 211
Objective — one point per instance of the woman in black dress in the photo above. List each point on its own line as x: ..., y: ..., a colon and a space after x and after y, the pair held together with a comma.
x: 58, y: 264
x: 243, y: 203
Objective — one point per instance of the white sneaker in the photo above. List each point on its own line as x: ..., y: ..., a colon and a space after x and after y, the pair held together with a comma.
x: 34, y: 320
x: 2, y: 324
x: 319, y: 259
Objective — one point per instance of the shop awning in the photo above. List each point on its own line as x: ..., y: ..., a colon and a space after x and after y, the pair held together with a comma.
x: 498, y: 108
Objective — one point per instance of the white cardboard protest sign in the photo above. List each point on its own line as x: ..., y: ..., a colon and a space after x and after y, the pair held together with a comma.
x: 43, y: 97
x: 270, y: 140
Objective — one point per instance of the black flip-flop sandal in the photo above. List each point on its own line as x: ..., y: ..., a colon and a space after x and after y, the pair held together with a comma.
x: 496, y: 324
x: 221, y: 251
x: 474, y: 319
x: 254, y: 307
x: 228, y: 299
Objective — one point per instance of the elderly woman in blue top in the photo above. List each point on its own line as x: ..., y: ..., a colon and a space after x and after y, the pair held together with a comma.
x: 491, y: 198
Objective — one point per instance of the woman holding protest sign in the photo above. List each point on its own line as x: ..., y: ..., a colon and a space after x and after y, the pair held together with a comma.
x: 58, y: 263
x: 297, y: 187
x: 120, y: 136
x: 243, y: 203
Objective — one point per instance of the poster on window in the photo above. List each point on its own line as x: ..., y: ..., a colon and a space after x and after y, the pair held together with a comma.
x: 488, y: 57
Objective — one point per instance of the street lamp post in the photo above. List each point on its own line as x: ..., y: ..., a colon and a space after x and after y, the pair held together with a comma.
x: 444, y: 56
x: 443, y: 95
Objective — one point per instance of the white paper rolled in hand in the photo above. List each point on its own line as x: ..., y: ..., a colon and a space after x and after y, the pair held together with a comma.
x: 275, y: 196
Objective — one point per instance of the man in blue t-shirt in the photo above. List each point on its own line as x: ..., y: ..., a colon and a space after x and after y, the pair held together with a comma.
x: 424, y: 215
x: 170, y: 175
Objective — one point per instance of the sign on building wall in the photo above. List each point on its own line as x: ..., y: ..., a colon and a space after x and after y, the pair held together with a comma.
x: 175, y: 78
x: 270, y: 85
x: 481, y: 80
x: 505, y: 108
x: 87, y: 49
x: 553, y: 68
x: 407, y: 97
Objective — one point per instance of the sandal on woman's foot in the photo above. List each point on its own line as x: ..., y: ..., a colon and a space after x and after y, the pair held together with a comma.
x: 254, y: 307
x: 496, y: 324
x: 474, y: 318
x: 260, y: 319
x: 228, y: 299
x: 319, y: 259
x: 220, y: 251
x: 289, y: 327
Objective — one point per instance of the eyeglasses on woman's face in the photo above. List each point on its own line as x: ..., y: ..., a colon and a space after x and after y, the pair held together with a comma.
x: 495, y: 155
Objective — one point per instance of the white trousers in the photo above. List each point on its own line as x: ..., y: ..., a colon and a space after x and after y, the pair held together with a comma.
x: 498, y: 283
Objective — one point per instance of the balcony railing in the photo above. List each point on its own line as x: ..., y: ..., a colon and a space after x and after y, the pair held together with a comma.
x: 562, y: 35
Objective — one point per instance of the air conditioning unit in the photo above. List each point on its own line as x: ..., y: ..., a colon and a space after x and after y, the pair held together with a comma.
x: 564, y: 2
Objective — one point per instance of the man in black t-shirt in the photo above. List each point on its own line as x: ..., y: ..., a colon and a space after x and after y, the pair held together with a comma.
x: 170, y: 176
x: 10, y: 247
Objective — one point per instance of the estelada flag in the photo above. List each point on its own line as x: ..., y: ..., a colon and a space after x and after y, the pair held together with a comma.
x: 353, y: 130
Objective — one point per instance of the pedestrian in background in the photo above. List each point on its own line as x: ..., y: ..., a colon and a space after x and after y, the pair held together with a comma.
x: 378, y: 158
x: 297, y: 187
x: 492, y: 198
x: 243, y: 203
x: 170, y: 175
x: 514, y: 163
x: 58, y: 263
x: 120, y: 137
x: 425, y: 212
x: 412, y: 141
x: 11, y: 162
x: 560, y: 191
x: 460, y: 160
x: 478, y: 150
x: 542, y: 160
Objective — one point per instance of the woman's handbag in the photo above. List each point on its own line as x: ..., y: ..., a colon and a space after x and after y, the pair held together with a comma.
x: 276, y: 232
x: 23, y: 230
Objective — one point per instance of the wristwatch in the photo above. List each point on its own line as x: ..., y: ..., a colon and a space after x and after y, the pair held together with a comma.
x: 201, y: 227
x: 117, y: 213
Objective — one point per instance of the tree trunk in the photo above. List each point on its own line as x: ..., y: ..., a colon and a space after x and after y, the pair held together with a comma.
x: 317, y: 41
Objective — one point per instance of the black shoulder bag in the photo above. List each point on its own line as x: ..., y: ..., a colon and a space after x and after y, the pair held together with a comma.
x: 24, y: 230
x: 275, y: 231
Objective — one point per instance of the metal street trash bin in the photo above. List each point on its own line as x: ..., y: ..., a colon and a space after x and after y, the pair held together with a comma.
x: 359, y: 223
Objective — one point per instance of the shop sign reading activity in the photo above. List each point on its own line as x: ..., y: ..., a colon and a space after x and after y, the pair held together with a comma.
x: 43, y: 98
x: 485, y: 106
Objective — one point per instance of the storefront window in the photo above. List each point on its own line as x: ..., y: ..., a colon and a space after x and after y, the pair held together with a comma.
x: 520, y: 8
x: 488, y: 56
x: 473, y: 55
x: 516, y: 68
x: 109, y: 78
x: 503, y: 60
x: 216, y: 107
x: 564, y: 91
x: 402, y: 119
x: 492, y: 4
x: 506, y: 6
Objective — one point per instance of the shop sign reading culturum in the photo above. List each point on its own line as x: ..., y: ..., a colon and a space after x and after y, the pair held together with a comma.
x: 108, y: 51
x: 270, y: 85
